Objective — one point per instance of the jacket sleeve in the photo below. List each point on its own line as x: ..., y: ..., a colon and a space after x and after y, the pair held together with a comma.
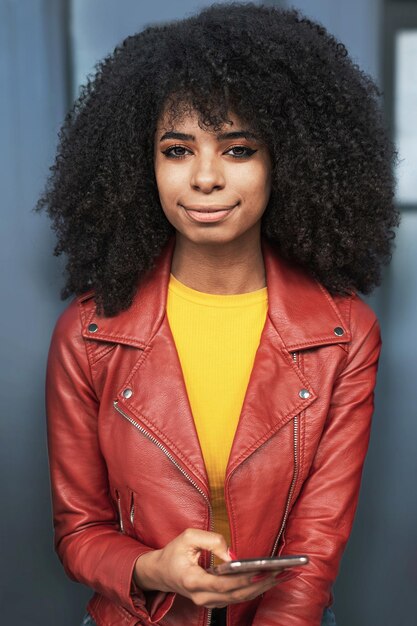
x: 87, y: 536
x: 322, y: 516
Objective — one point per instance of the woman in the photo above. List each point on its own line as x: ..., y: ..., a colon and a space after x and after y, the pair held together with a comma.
x: 223, y: 190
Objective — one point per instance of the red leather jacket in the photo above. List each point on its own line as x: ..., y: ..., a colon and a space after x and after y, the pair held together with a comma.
x: 126, y: 467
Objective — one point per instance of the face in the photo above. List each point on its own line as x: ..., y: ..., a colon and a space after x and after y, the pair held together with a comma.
x: 213, y: 187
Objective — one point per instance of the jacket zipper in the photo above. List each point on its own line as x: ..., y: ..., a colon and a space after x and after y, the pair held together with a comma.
x: 294, y: 477
x: 183, y: 472
x: 119, y: 506
x: 132, y: 512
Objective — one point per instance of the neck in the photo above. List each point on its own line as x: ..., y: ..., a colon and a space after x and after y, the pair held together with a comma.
x: 235, y: 267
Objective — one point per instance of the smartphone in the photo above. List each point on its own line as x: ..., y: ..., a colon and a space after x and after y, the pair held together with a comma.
x: 263, y: 564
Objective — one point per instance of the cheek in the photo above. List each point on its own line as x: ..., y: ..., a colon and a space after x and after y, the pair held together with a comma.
x: 170, y: 180
x: 264, y: 183
x: 253, y: 182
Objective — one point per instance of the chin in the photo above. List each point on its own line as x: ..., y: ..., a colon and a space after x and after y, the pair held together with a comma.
x: 211, y: 236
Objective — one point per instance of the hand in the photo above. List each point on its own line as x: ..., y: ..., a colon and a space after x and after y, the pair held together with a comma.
x: 175, y: 568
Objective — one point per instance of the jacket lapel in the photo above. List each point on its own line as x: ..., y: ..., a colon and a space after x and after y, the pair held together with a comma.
x: 158, y: 399
x: 160, y: 403
x: 272, y: 397
x: 301, y: 315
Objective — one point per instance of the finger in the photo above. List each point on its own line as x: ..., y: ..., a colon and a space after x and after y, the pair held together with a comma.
x: 248, y: 591
x: 262, y: 576
x: 231, y: 582
x: 284, y: 576
x: 197, y: 540
x: 225, y: 583
x: 258, y: 584
x: 223, y: 594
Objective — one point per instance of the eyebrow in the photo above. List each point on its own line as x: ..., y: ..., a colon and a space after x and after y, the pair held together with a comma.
x: 236, y: 134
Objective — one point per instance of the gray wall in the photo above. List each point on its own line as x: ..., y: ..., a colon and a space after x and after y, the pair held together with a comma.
x: 378, y: 575
x: 33, y: 588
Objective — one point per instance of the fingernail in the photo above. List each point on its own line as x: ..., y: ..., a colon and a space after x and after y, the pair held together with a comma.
x: 231, y: 554
x: 258, y: 577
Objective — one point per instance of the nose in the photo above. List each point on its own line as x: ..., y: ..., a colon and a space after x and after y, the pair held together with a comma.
x: 207, y: 175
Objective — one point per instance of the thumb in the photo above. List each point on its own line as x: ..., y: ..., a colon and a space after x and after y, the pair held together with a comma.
x: 206, y: 540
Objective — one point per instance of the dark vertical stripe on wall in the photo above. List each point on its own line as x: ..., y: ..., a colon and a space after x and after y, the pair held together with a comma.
x: 67, y: 49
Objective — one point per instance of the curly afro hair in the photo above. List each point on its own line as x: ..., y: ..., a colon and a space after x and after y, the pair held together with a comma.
x: 331, y: 207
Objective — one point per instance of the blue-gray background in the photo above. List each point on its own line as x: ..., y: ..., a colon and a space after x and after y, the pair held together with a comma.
x: 46, y: 49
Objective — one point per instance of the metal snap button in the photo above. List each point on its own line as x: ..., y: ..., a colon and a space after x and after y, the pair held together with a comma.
x: 127, y: 393
x: 92, y: 328
x: 304, y: 394
x: 339, y: 331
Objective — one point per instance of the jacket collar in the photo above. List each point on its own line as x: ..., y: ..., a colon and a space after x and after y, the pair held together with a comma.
x: 301, y: 310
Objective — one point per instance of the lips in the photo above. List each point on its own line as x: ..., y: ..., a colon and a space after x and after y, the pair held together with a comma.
x: 210, y: 214
x: 209, y: 209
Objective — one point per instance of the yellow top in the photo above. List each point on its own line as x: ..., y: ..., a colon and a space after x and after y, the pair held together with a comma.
x: 216, y: 337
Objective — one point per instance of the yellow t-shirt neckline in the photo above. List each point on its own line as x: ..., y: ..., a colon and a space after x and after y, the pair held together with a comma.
x: 215, y: 299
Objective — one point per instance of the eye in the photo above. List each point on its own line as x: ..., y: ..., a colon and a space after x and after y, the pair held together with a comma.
x: 171, y: 155
x: 247, y: 152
